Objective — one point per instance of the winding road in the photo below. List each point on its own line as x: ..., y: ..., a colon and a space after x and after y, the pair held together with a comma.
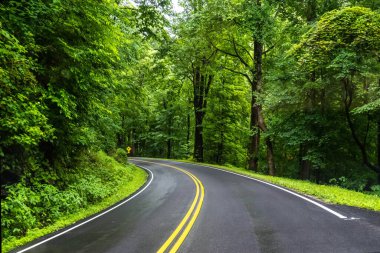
x: 191, y: 208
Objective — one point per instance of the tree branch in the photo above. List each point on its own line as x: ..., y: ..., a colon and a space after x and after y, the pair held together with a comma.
x: 238, y: 55
x: 230, y: 54
x: 246, y: 50
x: 348, y: 97
x: 212, y: 54
x: 269, y: 49
x: 367, y: 130
x: 238, y: 72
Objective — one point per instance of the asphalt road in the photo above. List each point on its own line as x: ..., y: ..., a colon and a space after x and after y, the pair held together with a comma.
x: 236, y: 214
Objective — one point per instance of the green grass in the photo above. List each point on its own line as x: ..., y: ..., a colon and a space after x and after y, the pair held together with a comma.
x: 325, y: 193
x: 139, y: 178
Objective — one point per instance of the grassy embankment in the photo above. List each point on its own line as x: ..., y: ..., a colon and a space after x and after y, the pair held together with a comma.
x: 325, y: 193
x: 100, y: 182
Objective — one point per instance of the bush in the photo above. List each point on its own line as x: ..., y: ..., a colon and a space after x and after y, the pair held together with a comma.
x: 16, y: 212
x: 376, y: 189
x: 121, y: 156
x: 54, y: 203
x: 91, y: 189
x: 40, y: 203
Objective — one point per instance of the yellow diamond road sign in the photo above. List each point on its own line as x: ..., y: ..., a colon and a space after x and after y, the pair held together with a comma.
x: 129, y: 150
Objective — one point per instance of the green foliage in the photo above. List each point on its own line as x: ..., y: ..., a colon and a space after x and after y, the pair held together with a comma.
x: 23, y: 122
x: 27, y: 207
x: 226, y: 127
x: 71, y: 201
x: 103, y: 75
x: 327, y: 193
x: 309, y: 49
x: 358, y: 184
x: 62, y: 67
x: 307, y: 112
x: 342, y: 38
x: 376, y: 189
x: 121, y: 156
x: 17, y: 216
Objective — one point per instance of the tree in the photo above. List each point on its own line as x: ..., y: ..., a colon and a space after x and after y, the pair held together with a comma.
x: 226, y: 127
x: 242, y: 29
x: 344, y: 47
x: 198, y: 57
x: 66, y: 59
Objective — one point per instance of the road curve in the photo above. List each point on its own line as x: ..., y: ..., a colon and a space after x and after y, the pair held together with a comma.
x: 237, y: 215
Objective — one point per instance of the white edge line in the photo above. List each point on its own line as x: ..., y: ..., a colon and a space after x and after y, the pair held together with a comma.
x: 278, y: 187
x: 95, y: 217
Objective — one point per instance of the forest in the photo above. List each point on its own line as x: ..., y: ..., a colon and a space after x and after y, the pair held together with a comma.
x: 282, y: 87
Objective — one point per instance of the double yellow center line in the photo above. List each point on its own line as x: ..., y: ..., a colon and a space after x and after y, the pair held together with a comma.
x: 178, y: 236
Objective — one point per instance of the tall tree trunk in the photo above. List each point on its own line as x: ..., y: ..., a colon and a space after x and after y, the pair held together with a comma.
x: 305, y: 165
x: 198, y: 136
x: 269, y: 145
x: 253, y: 156
x: 169, y: 148
x: 254, y: 143
x: 188, y: 134
x: 168, y: 130
x: 198, y: 111
x: 348, y: 98
x: 270, y: 156
x: 201, y: 86
x: 257, y: 122
x: 121, y: 135
x: 169, y: 141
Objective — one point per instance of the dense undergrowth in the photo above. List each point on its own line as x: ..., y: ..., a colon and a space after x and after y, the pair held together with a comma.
x: 327, y: 193
x: 32, y: 209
